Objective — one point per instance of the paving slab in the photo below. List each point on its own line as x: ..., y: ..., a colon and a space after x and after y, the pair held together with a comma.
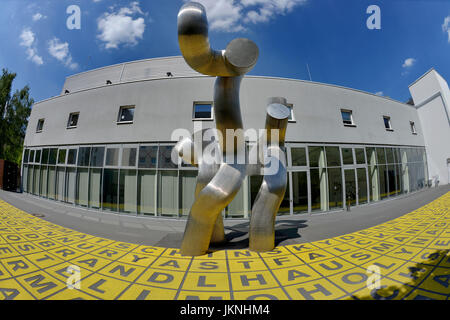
x: 407, y: 257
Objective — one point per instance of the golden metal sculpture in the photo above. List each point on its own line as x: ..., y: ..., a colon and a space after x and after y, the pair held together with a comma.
x: 219, y: 182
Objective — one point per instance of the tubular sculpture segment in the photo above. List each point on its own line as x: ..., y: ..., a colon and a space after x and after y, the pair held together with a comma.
x: 219, y: 182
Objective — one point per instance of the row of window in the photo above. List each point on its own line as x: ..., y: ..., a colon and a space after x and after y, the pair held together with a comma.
x: 150, y: 156
x: 348, y: 120
x: 160, y: 156
x: 204, y: 111
x: 335, y: 176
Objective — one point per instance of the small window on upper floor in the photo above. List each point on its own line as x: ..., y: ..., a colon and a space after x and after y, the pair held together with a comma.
x: 126, y: 114
x: 73, y: 120
x: 202, y: 111
x: 347, y: 117
x: 40, y: 125
x: 413, y: 127
x: 387, y: 123
x: 291, y: 114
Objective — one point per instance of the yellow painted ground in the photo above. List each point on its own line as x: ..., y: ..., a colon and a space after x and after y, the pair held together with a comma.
x: 411, y: 254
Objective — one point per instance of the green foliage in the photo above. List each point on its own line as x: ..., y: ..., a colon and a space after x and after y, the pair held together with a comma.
x: 14, y: 113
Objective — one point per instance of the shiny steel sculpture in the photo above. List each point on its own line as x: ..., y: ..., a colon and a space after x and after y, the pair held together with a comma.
x: 219, y: 182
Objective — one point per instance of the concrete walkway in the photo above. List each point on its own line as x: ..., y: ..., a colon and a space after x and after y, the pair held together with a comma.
x: 164, y: 232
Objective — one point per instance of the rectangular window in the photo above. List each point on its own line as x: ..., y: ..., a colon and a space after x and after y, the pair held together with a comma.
x: 110, y: 189
x: 51, y: 182
x: 146, y: 191
x: 413, y: 127
x: 73, y: 120
x: 45, y: 153
x: 126, y: 114
x: 291, y: 114
x: 62, y: 156
x: 148, y: 156
x: 165, y: 157
x: 82, y: 187
x: 97, y: 156
x: 37, y: 158
x: 129, y: 157
x: 316, y: 157
x: 40, y: 125
x: 298, y: 157
x: 31, y: 156
x: 360, y: 158
x: 202, y: 110
x: 381, y: 156
x: 95, y: 180
x: 188, y: 180
x: 25, y: 156
x: 83, y: 156
x: 71, y: 176
x: 127, y: 191
x: 387, y: 122
x: 333, y: 158
x: 52, y: 156
x: 347, y: 117
x: 72, y: 156
x: 168, y: 192
x: 347, y: 155
x: 112, y: 157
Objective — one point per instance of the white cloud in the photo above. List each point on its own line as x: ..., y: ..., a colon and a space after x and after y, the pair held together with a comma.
x: 38, y: 16
x: 409, y: 63
x: 234, y: 15
x: 28, y: 41
x: 379, y: 93
x: 60, y: 51
x: 121, y: 26
x: 446, y: 26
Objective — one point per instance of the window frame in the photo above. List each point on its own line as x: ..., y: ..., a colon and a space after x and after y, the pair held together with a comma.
x: 120, y: 114
x: 42, y: 120
x: 352, y: 119
x: 211, y: 103
x: 69, y: 120
x: 388, y: 118
x: 291, y: 108
x: 136, y: 161
x: 412, y: 125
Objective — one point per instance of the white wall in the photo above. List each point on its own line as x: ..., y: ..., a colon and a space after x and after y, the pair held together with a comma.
x: 163, y: 105
x: 431, y: 97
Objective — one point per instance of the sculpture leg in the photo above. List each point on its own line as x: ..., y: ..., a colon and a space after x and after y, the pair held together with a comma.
x: 265, y: 208
x: 206, y: 174
x: 207, y: 207
x: 273, y: 187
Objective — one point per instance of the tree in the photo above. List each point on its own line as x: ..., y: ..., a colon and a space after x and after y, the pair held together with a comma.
x: 14, y: 113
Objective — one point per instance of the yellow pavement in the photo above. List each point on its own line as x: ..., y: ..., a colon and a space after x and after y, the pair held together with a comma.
x: 409, y: 256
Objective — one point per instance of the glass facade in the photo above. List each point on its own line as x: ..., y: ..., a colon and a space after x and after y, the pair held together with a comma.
x: 141, y: 179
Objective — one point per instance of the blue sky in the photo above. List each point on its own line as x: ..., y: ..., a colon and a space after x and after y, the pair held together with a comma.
x: 330, y: 36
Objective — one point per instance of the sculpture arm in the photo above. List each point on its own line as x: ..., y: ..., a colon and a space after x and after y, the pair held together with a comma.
x: 238, y: 58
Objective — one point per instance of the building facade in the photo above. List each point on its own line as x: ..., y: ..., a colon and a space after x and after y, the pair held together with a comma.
x: 105, y: 143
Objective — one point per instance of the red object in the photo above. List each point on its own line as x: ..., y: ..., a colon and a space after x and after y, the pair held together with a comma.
x: 9, y: 175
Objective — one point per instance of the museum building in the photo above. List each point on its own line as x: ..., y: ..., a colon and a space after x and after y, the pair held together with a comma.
x: 105, y: 142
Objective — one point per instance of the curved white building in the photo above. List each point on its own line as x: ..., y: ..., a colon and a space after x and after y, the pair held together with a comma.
x: 105, y: 142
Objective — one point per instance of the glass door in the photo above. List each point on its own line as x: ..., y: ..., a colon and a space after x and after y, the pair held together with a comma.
x: 350, y: 187
x: 362, y: 185
x: 299, y: 191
